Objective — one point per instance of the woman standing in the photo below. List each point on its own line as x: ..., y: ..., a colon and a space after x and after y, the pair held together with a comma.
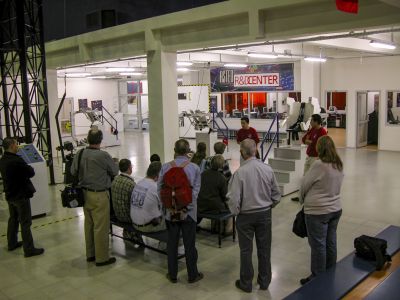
x: 320, y: 193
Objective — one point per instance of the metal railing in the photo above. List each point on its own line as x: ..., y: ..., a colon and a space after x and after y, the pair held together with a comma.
x: 103, y: 118
x: 267, y: 138
x: 218, y: 127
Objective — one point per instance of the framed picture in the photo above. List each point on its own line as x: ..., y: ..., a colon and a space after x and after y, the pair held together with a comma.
x: 82, y: 104
x: 132, y: 100
x: 97, y: 104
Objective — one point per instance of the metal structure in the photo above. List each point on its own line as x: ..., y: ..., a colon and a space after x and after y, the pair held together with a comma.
x: 24, y: 110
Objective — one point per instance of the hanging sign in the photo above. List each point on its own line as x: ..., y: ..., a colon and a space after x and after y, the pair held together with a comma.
x: 274, y: 77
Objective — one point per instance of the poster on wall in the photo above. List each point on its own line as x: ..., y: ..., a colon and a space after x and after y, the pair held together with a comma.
x: 273, y: 77
x: 97, y: 104
x: 213, y: 104
x: 82, y: 104
x: 134, y: 87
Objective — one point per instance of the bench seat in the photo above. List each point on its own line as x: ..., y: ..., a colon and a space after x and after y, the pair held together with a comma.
x: 220, y: 218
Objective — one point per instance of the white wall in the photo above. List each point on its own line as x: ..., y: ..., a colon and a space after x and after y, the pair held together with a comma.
x: 373, y: 74
x: 310, y: 80
x: 90, y: 89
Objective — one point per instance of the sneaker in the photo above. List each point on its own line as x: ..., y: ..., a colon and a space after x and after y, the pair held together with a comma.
x: 17, y: 245
x: 303, y: 281
x: 172, y: 280
x: 199, y: 277
x: 34, y: 252
x: 110, y: 261
x: 239, y: 286
x: 295, y: 199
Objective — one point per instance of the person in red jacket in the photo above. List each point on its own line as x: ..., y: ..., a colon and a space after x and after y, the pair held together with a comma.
x: 247, y: 132
x: 310, y: 138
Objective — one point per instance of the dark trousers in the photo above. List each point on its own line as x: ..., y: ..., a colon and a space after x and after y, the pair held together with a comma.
x: 188, y: 228
x: 20, y: 213
x: 248, y: 225
x: 321, y: 230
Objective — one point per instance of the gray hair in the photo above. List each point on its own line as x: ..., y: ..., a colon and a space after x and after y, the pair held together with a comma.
x: 248, y: 148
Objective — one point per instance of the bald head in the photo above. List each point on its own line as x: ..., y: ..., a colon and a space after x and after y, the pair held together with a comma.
x: 248, y: 148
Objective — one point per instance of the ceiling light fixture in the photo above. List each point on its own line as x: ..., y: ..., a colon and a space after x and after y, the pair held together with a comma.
x: 315, y: 59
x: 77, y: 74
x: 182, y: 69
x: 115, y: 70
x: 96, y: 77
x: 130, y: 74
x: 235, y: 65
x: 262, y: 55
x: 184, y: 63
x: 382, y: 45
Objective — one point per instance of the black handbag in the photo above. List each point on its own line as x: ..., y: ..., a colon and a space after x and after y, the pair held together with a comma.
x: 372, y: 248
x: 299, y: 224
x: 72, y: 196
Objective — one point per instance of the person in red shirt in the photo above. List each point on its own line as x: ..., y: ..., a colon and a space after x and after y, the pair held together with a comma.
x: 310, y: 138
x: 247, y: 132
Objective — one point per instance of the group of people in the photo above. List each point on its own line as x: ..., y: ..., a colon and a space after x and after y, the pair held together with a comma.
x: 250, y: 194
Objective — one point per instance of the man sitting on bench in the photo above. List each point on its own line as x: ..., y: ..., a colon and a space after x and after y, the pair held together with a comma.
x: 146, y: 207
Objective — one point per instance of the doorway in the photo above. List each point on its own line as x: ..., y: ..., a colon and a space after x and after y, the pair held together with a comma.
x: 367, y: 119
x: 336, y: 102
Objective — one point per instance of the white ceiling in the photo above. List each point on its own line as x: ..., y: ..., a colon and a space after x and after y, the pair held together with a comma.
x: 338, y: 48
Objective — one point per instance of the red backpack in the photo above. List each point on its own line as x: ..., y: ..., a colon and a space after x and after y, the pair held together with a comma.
x: 176, y: 191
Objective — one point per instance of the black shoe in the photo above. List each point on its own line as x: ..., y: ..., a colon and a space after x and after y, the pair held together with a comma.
x: 110, y: 261
x: 303, y: 281
x: 34, y: 252
x: 172, y: 280
x: 262, y: 286
x: 91, y: 259
x: 239, y: 286
x: 199, y: 277
x: 295, y: 199
x: 17, y: 245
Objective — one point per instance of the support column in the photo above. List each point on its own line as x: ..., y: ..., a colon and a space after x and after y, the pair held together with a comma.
x: 52, y: 90
x: 310, y: 80
x: 163, y: 102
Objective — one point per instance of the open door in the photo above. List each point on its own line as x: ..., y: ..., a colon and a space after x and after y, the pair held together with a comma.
x: 362, y: 119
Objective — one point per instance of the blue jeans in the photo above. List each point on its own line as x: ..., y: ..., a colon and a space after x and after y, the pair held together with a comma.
x: 321, y: 230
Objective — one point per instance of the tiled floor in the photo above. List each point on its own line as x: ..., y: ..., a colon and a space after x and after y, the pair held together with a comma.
x: 370, y: 203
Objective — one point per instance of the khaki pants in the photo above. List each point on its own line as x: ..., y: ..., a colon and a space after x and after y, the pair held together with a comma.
x: 308, y: 163
x: 97, y: 224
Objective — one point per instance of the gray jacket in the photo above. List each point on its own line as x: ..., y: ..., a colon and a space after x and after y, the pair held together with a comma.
x: 320, y: 189
x: 253, y: 188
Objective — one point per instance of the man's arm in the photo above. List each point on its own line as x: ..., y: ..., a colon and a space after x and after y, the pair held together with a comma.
x: 112, y: 168
x: 275, y: 191
x: 234, y: 194
x: 255, y: 136
x: 74, y: 166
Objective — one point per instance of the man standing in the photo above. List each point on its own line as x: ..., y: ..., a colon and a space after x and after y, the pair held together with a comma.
x: 121, y: 191
x: 95, y: 172
x: 186, y: 221
x: 146, y: 206
x: 310, y: 139
x: 247, y: 132
x: 252, y: 192
x: 16, y: 174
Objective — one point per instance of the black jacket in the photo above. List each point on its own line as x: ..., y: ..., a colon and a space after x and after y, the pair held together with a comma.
x: 212, y: 195
x: 16, y: 174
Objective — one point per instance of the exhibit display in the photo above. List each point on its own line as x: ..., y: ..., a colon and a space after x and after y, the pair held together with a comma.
x: 40, y: 202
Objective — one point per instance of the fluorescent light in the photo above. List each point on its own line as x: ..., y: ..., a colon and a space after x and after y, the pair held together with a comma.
x: 262, y: 55
x: 77, y: 74
x: 315, y: 59
x: 382, y: 45
x: 184, y: 63
x: 182, y: 69
x: 130, y: 73
x: 115, y: 70
x: 97, y: 77
x: 235, y: 65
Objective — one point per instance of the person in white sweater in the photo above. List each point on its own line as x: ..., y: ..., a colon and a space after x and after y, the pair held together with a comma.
x: 320, y: 193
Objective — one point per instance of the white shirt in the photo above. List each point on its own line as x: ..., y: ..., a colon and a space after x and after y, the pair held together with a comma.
x: 145, y: 202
